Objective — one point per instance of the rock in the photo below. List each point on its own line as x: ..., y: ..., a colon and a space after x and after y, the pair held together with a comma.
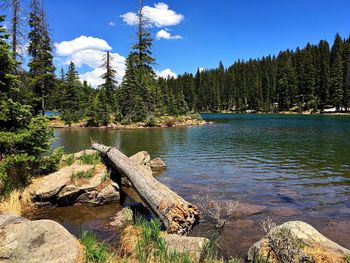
x: 122, y: 217
x: 58, y: 188
x: 48, y: 186
x: 142, y: 158
x: 246, y: 209
x: 157, y: 165
x: 317, y: 246
x: 36, y: 241
x: 107, y: 195
x: 182, y: 244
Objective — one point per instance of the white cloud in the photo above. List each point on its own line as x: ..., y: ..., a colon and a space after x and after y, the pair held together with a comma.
x: 67, y: 48
x: 89, y: 51
x: 166, y: 35
x: 94, y: 59
x: 166, y: 73
x: 111, y: 24
x: 160, y: 15
x: 201, y: 69
x: 130, y: 18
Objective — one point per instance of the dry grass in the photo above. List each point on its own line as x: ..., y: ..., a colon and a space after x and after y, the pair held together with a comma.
x: 128, y: 241
x: 18, y: 202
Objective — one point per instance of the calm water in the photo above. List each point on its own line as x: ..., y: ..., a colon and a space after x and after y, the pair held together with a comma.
x: 296, y: 167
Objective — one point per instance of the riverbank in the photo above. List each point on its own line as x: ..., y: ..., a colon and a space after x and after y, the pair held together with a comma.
x: 159, y: 122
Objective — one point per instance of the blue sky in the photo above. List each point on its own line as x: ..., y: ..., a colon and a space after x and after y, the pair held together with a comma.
x: 204, y: 32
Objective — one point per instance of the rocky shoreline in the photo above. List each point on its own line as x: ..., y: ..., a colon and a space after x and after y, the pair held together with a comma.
x: 162, y: 122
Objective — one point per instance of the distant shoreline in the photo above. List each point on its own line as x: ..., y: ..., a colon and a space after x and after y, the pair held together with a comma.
x: 284, y: 113
x: 162, y: 122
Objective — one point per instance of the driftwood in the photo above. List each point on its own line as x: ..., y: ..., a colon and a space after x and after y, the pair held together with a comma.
x: 177, y: 215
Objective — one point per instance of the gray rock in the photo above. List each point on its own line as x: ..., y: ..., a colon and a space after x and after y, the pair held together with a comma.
x: 107, y: 195
x: 183, y: 244
x: 157, y: 165
x: 49, y: 186
x: 314, y: 242
x: 39, y: 241
x: 122, y: 217
x: 143, y: 160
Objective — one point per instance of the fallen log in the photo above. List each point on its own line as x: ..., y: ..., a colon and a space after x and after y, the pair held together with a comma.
x: 177, y: 215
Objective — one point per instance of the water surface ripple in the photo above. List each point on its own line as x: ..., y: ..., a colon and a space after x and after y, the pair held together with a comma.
x: 296, y: 166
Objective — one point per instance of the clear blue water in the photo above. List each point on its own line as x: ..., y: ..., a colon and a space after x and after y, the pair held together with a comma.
x: 297, y: 167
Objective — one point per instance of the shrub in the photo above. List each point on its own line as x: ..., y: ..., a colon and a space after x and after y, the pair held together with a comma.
x: 15, y: 171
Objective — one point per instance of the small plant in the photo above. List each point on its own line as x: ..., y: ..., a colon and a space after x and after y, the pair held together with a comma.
x: 83, y: 175
x: 151, y: 246
x: 105, y: 176
x: 209, y: 251
x: 235, y: 260
x: 282, y: 242
x: 69, y: 160
x: 95, y: 251
x: 215, y: 207
x: 93, y: 159
x: 347, y: 258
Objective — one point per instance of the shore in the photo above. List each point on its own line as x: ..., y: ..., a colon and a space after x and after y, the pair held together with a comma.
x: 161, y: 122
x: 287, y: 113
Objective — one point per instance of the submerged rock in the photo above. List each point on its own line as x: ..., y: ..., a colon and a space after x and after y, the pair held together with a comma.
x: 36, y: 241
x: 316, y: 246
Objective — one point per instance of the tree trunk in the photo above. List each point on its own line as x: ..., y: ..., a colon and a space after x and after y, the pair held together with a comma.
x: 177, y: 215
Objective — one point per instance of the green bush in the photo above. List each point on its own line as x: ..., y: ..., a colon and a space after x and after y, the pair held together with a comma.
x: 15, y: 172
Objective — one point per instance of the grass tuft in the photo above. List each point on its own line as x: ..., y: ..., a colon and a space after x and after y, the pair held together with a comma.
x: 92, y: 159
x: 95, y: 251
x: 82, y: 175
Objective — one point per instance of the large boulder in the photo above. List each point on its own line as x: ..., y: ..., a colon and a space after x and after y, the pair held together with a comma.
x: 315, y: 246
x: 48, y: 186
x: 62, y: 188
x: 142, y: 159
x: 36, y: 241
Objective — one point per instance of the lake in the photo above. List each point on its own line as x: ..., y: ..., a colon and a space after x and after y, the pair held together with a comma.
x: 294, y: 167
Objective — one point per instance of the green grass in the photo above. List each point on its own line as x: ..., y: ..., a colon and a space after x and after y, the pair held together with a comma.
x: 347, y: 258
x: 69, y: 160
x: 151, y: 246
x: 92, y: 159
x: 95, y: 251
x: 83, y: 175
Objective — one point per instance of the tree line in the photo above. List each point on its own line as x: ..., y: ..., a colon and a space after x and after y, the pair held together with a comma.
x: 314, y: 78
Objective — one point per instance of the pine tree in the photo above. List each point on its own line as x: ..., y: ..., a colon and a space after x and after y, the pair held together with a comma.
x: 7, y: 63
x: 324, y: 86
x: 346, y: 82
x: 71, y: 106
x: 139, y: 83
x: 110, y: 84
x: 336, y: 79
x: 41, y: 67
